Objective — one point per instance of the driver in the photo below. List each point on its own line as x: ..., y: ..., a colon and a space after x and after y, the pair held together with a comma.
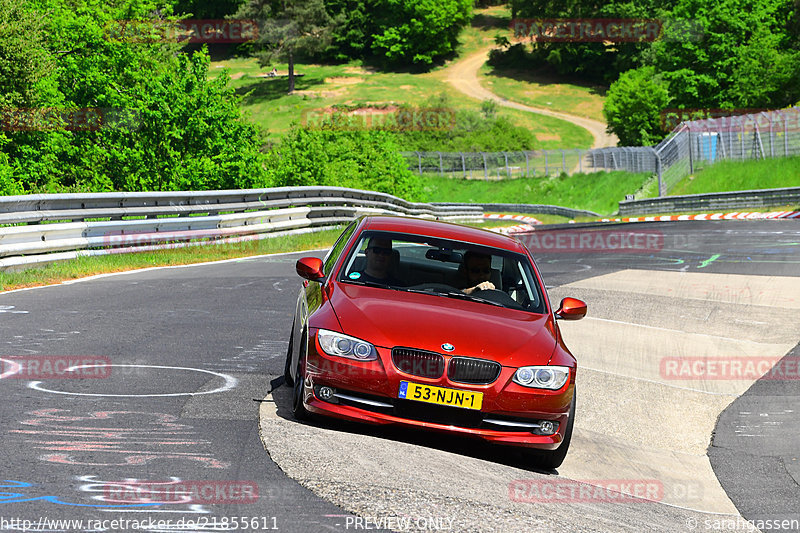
x: 379, y: 260
x: 477, y: 268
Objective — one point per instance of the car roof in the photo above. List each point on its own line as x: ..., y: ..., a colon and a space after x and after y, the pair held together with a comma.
x: 445, y: 230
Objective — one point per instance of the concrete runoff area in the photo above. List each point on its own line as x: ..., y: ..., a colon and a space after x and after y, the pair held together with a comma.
x: 635, y: 420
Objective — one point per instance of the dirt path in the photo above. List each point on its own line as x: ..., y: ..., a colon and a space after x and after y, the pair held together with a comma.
x: 463, y: 75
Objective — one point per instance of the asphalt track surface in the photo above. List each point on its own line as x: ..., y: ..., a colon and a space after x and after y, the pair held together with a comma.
x: 194, y: 351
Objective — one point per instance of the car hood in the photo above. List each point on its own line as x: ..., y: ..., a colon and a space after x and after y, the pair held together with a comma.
x: 389, y: 318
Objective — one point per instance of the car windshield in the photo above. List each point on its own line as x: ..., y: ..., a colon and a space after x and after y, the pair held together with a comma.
x: 442, y: 267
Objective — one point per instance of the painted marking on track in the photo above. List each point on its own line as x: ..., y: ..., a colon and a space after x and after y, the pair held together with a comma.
x: 11, y: 309
x: 137, y: 437
x: 230, y: 383
x: 18, y: 497
x: 708, y: 261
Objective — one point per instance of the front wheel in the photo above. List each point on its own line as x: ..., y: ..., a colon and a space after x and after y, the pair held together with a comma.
x: 287, y: 374
x: 552, y: 459
x: 299, y: 390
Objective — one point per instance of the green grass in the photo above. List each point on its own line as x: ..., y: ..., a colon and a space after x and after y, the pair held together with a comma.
x: 741, y: 176
x: 486, y: 23
x: 545, y: 91
x: 266, y: 102
x: 599, y: 192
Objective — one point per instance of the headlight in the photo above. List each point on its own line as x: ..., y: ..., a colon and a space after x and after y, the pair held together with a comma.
x: 342, y: 345
x: 542, y: 377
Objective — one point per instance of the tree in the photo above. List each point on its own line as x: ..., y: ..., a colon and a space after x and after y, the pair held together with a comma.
x: 418, y: 31
x: 288, y: 28
x: 634, y: 106
x: 26, y: 64
x: 743, y: 57
x: 164, y: 125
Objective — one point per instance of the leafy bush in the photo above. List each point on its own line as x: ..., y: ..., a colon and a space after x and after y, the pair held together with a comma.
x: 633, y: 107
x: 327, y: 156
x: 469, y: 131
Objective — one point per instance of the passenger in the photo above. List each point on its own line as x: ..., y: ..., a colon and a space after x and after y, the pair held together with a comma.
x: 477, y: 270
x: 379, y: 262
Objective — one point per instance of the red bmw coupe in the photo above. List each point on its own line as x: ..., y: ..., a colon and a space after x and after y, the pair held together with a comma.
x: 438, y: 326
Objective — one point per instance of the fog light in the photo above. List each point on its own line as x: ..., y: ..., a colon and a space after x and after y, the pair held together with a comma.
x: 547, y: 427
x: 326, y: 393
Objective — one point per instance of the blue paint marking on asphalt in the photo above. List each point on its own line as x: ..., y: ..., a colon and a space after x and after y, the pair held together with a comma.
x: 9, y: 497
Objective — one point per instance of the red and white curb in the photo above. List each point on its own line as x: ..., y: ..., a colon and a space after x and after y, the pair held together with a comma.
x: 527, y: 222
x: 746, y: 215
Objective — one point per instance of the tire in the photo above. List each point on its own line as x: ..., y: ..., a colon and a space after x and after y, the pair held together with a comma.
x: 287, y: 374
x: 298, y: 390
x: 552, y: 459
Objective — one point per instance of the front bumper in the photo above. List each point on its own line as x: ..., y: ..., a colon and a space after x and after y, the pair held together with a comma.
x: 367, y: 392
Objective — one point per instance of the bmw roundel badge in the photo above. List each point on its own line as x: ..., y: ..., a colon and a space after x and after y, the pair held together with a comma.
x: 448, y: 347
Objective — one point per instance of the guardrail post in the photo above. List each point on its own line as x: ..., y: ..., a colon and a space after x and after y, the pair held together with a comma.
x: 485, y: 167
x: 546, y: 173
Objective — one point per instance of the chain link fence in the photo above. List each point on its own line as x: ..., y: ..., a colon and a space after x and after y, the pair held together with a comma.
x: 691, y: 146
x: 497, y: 165
x: 694, y: 145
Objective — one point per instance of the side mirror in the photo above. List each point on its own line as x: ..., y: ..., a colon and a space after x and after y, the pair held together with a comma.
x: 571, y: 309
x: 310, y: 268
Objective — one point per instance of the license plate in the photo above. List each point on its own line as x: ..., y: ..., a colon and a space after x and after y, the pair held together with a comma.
x: 441, y: 395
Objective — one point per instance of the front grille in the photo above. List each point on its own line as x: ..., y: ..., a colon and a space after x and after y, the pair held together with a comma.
x: 473, y: 371
x: 418, y: 363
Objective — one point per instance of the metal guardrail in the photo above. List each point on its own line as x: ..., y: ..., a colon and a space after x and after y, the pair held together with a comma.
x: 533, y: 209
x: 54, y: 227
x: 712, y: 201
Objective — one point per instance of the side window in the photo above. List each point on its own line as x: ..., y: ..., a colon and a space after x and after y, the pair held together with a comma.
x: 336, y: 251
